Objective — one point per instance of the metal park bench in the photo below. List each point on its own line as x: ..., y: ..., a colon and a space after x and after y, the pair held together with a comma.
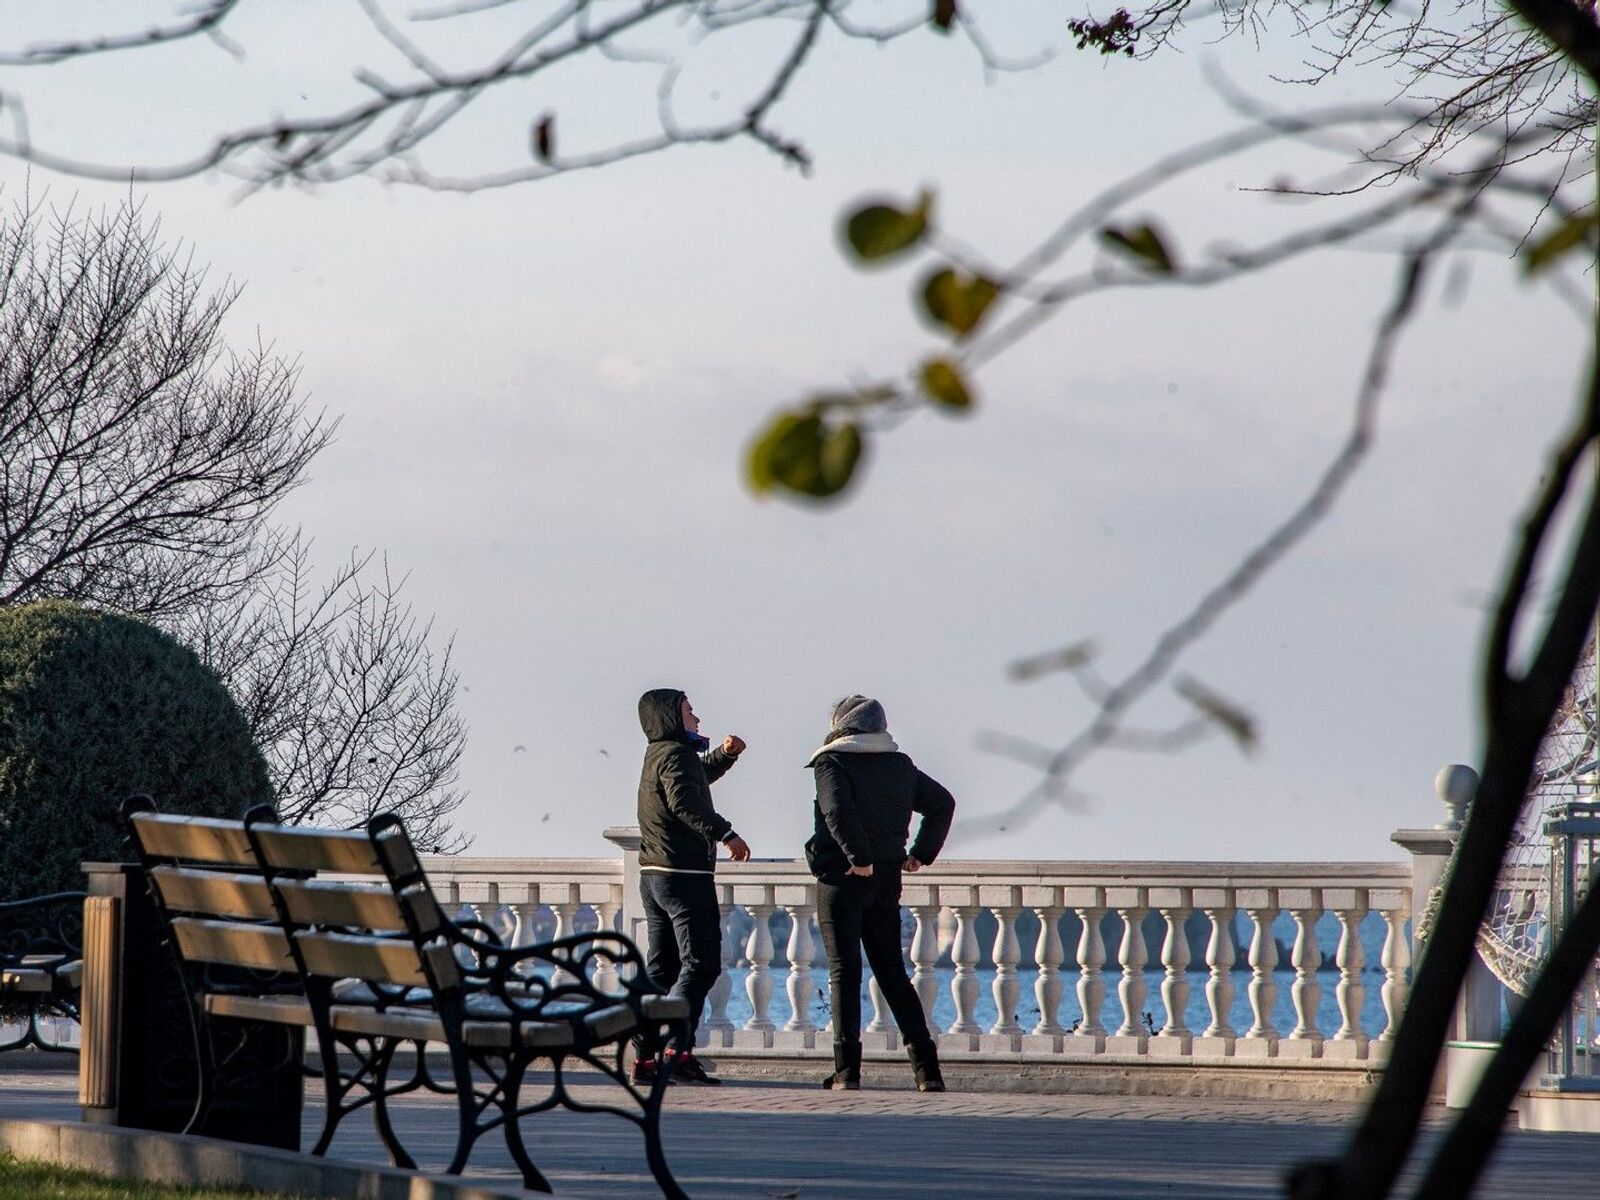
x: 369, y: 967
x: 41, y: 964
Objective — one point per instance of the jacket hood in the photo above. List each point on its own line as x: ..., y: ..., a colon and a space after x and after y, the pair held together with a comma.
x: 661, y: 714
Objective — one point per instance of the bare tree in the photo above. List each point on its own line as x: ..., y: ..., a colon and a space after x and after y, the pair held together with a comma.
x: 353, y: 710
x: 139, y: 457
x: 140, y: 463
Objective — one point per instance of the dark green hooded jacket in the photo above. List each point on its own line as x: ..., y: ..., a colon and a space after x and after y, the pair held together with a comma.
x: 678, y: 827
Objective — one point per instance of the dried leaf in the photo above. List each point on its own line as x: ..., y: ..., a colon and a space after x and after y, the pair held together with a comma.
x: 1068, y: 658
x: 544, y: 138
x: 1144, y: 244
x: 1233, y: 720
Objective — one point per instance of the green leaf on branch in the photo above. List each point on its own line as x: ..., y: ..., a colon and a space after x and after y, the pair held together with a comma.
x: 943, y: 15
x: 1144, y: 244
x: 1572, y: 233
x: 842, y: 447
x: 957, y: 300
x: 881, y: 231
x: 800, y: 453
x: 942, y: 380
x: 1233, y: 720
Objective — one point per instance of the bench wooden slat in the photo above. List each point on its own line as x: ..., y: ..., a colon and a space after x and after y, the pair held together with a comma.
x: 214, y: 893
x: 394, y: 846
x: 610, y: 1023
x: 200, y: 839
x: 665, y: 1008
x: 409, y: 1023
x: 424, y: 1025
x: 424, y: 909
x: 281, y: 1010
x: 343, y: 850
x: 25, y: 979
x: 319, y: 902
x: 261, y: 946
x: 378, y: 960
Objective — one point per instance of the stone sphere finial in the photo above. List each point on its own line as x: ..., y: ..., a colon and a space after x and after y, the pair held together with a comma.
x: 1455, y: 785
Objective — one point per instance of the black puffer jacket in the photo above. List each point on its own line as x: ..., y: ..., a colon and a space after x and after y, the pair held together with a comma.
x: 678, y: 827
x: 863, y: 811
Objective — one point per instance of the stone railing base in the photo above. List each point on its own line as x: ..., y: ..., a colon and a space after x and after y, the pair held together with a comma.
x: 1102, y: 1075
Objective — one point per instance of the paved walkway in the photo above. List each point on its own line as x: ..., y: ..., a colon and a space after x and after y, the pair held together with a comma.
x: 753, y: 1141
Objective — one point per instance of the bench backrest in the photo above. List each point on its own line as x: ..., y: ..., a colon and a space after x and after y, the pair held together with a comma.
x: 349, y: 928
x: 210, y: 891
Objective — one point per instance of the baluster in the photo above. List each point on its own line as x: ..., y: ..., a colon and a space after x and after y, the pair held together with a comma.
x: 1261, y: 1039
x: 1131, y: 987
x: 1396, y: 958
x: 881, y: 1031
x: 1350, y: 1039
x: 1006, y: 988
x: 565, y: 914
x: 1091, y: 977
x: 522, y: 924
x: 758, y: 983
x: 718, y: 1028
x: 1219, y: 982
x: 467, y: 912
x: 924, y: 960
x: 605, y: 970
x: 1048, y: 954
x: 1305, y: 1039
x: 801, y: 950
x: 964, y: 987
x: 1175, y: 1036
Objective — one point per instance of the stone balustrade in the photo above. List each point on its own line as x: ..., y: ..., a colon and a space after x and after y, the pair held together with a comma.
x: 1214, y: 920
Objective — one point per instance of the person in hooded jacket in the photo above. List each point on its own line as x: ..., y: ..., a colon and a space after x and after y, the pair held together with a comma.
x: 679, y: 830
x: 866, y: 793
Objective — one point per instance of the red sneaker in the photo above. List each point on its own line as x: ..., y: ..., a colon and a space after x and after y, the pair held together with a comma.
x: 686, y: 1068
x: 645, y: 1071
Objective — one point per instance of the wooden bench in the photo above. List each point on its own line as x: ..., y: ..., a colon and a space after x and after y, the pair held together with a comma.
x: 223, y: 923
x: 41, y: 963
x: 378, y: 965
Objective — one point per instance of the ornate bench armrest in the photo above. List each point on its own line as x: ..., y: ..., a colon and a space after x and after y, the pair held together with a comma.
x: 47, y: 930
x: 509, y: 972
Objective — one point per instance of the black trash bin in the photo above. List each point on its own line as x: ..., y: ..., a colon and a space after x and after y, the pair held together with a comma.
x: 139, y: 1067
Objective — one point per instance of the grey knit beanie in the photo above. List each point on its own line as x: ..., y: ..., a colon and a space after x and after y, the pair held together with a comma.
x: 857, y: 714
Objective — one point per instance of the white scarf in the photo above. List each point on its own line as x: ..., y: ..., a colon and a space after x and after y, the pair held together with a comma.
x: 856, y: 743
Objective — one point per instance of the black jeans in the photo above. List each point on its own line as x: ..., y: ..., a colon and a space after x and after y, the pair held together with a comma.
x: 684, y: 924
x: 855, y: 914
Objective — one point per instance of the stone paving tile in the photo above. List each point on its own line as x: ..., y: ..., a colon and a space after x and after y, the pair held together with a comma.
x: 780, y: 1142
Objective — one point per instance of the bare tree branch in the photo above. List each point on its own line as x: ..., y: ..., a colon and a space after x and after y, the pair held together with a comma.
x: 139, y: 458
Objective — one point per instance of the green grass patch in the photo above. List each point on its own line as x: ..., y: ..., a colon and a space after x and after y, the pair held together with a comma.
x: 45, y: 1181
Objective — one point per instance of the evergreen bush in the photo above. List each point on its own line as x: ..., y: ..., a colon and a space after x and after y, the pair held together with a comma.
x: 95, y: 706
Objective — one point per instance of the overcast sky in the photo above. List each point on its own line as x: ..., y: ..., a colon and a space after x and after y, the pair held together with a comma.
x: 546, y: 393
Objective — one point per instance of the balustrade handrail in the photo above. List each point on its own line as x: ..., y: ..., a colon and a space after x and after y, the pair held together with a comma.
x: 1376, y: 873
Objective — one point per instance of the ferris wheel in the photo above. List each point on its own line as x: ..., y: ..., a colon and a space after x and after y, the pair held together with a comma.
x: 1514, y: 937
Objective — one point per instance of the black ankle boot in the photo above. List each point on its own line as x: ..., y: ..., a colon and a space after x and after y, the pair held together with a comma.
x: 925, y: 1066
x: 846, y: 1067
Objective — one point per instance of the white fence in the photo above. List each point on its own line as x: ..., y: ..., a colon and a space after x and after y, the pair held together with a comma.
x: 1087, y: 999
